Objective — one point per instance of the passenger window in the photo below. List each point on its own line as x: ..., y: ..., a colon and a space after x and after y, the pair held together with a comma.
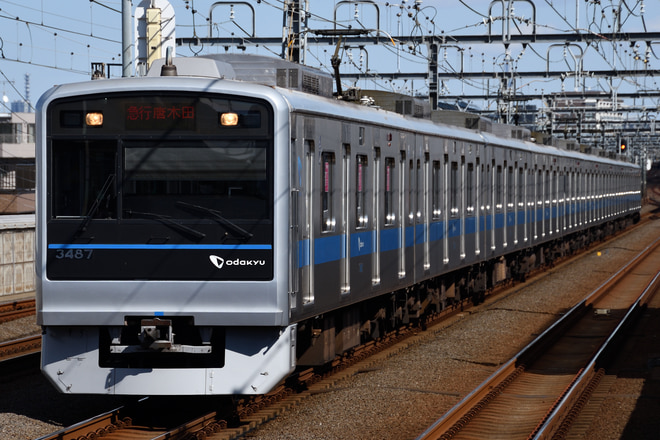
x: 327, y: 215
x: 454, y: 188
x: 469, y: 188
x: 520, y: 189
x: 499, y: 188
x: 437, y: 190
x: 510, y: 190
x: 390, y: 216
x: 361, y: 215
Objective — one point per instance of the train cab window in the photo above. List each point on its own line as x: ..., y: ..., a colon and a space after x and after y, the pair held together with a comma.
x: 361, y: 215
x: 84, y: 179
x: 327, y: 170
x: 436, y: 198
x: 453, y: 189
x: 390, y: 216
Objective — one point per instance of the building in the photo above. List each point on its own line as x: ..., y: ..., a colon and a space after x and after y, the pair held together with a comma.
x: 17, y: 168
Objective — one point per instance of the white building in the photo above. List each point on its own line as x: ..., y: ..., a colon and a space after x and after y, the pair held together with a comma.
x: 17, y: 170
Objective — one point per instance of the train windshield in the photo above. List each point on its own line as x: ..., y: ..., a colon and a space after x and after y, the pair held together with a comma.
x: 160, y: 155
x: 106, y: 180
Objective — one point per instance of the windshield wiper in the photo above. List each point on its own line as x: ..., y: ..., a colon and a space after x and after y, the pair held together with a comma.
x: 97, y: 202
x: 169, y: 222
x: 217, y: 215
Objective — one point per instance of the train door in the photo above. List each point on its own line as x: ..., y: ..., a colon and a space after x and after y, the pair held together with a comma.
x: 536, y: 201
x: 471, y: 224
x: 436, y: 213
x: 572, y: 219
x: 554, y: 206
x: 507, y: 202
x: 594, y: 196
x: 426, y: 220
x: 476, y: 202
x: 376, y: 207
x: 361, y: 242
x: 522, y: 202
x: 308, y: 226
x: 445, y: 210
x: 401, y: 260
x: 498, y: 206
x: 456, y: 246
x: 461, y: 202
x: 345, y: 227
x: 489, y: 211
x: 562, y: 198
x: 422, y: 259
x: 390, y: 234
x: 514, y: 196
x: 483, y: 202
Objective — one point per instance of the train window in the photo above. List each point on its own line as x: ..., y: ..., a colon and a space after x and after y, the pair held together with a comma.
x: 361, y: 135
x: 539, y: 188
x: 520, y: 189
x: 499, y: 188
x: 469, y: 189
x: 511, y: 188
x: 421, y: 190
x: 436, y: 200
x: 84, y: 179
x: 411, y: 189
x: 453, y: 189
x: 390, y: 216
x: 327, y: 169
x: 361, y: 215
x: 178, y: 178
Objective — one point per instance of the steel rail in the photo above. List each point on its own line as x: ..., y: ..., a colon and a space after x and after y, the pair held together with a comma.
x: 456, y: 420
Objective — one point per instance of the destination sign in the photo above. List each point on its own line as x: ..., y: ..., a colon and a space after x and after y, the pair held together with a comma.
x: 160, y: 117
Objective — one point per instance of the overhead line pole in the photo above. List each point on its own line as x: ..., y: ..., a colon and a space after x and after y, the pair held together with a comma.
x: 127, y: 38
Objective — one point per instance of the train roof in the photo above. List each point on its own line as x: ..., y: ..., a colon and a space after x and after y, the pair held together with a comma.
x: 307, y: 104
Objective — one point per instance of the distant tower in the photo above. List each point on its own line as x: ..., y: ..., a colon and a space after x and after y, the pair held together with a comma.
x: 23, y: 106
x: 27, y: 93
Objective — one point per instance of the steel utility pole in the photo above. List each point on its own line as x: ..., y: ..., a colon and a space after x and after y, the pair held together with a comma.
x: 127, y: 38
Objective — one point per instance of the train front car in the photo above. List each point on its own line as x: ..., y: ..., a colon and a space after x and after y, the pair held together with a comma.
x: 158, y: 221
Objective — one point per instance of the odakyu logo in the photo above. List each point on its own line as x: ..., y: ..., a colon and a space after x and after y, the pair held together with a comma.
x: 220, y: 262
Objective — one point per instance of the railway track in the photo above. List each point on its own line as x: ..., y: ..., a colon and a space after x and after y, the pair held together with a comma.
x: 148, y: 418
x: 20, y: 347
x: 12, y: 310
x: 540, y: 391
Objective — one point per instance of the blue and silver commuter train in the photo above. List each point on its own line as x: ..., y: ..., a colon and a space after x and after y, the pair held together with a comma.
x: 206, y: 228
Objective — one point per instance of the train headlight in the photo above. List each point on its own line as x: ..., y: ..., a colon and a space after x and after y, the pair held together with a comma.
x: 94, y: 119
x: 229, y: 119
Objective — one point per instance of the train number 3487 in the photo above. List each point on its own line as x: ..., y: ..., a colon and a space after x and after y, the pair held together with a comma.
x: 74, y: 254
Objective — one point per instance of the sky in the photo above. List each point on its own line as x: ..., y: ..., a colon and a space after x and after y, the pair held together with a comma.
x: 56, y: 41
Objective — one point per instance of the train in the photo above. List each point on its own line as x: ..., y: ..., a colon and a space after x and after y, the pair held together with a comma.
x: 207, y: 228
